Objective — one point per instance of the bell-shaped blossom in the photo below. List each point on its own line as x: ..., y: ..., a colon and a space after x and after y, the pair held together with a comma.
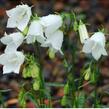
x: 83, y: 32
x: 12, y: 61
x: 13, y: 41
x: 19, y: 17
x: 51, y: 23
x: 54, y: 41
x: 95, y: 45
x: 35, y: 32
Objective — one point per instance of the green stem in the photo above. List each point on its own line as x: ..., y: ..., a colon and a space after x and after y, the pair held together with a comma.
x: 42, y: 82
x: 95, y: 98
x: 2, y: 101
x: 96, y: 79
x: 71, y: 80
x: 38, y: 59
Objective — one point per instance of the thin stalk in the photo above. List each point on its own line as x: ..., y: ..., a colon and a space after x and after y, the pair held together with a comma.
x: 95, y: 98
x: 73, y: 84
x: 2, y: 101
x: 96, y: 79
x: 71, y: 79
x: 38, y: 59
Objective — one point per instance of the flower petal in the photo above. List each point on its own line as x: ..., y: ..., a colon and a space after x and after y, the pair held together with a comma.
x: 11, y: 23
x: 10, y: 48
x: 87, y: 47
x: 83, y: 33
x: 11, y: 12
x: 104, y: 52
x: 8, y: 69
x: 99, y: 38
x: 19, y: 17
x: 35, y: 32
x: 23, y: 23
x: 30, y: 39
x: 3, y: 59
x: 6, y: 40
x: 96, y: 52
x: 12, y: 61
x: 54, y: 41
x: 51, y: 23
x: 17, y: 38
x: 20, y: 58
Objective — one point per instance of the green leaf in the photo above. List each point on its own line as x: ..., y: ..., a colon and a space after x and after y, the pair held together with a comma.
x: 33, y: 99
x: 81, y: 100
x: 36, y: 85
x: 64, y: 101
x: 21, y: 98
x: 26, y: 72
x: 65, y: 63
x: 26, y: 31
x: 2, y: 102
x: 75, y: 26
x: 7, y: 90
x: 66, y: 89
x: 54, y: 84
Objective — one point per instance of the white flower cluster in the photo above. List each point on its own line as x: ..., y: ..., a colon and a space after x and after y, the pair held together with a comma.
x: 45, y: 30
x: 95, y: 44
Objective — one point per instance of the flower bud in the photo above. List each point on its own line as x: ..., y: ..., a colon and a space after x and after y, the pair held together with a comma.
x: 87, y: 74
x: 83, y: 32
x: 35, y: 71
x: 36, y: 85
x: 51, y: 53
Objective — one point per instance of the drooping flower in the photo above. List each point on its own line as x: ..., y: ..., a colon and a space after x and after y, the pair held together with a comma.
x: 19, y: 17
x: 35, y: 32
x: 95, y: 45
x: 53, y: 36
x: 12, y: 61
x: 83, y: 32
x: 54, y: 41
x: 51, y: 23
x: 13, y: 41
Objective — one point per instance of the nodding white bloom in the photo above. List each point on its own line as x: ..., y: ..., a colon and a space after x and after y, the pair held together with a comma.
x: 95, y: 45
x: 83, y: 32
x: 19, y: 17
x: 51, y: 23
x: 13, y: 41
x: 54, y: 41
x: 12, y: 61
x: 35, y: 32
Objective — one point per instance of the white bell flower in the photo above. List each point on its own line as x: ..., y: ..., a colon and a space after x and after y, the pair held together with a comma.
x: 51, y: 23
x: 54, y: 41
x: 95, y: 45
x: 35, y: 32
x: 13, y: 41
x: 19, y: 17
x: 83, y: 32
x: 12, y: 61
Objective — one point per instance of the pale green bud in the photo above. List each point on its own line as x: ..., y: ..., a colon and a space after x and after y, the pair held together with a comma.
x: 87, y: 74
x: 51, y: 53
x: 35, y: 71
x: 36, y: 85
x: 83, y: 32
